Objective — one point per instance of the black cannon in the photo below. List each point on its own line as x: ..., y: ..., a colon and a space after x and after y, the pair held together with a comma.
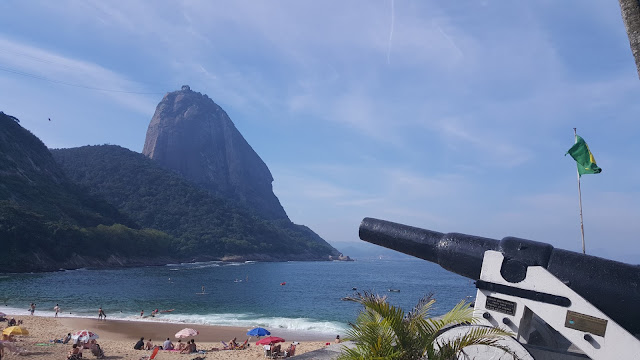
x: 611, y: 286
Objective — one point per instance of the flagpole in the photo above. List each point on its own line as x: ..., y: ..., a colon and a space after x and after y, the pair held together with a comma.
x: 575, y: 134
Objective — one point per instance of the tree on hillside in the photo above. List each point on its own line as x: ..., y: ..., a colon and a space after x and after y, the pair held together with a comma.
x: 383, y: 331
x: 631, y: 16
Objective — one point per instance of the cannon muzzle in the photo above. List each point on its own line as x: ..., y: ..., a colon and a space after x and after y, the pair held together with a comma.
x: 611, y: 286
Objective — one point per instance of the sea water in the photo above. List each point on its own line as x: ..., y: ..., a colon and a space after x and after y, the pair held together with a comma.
x: 287, y: 296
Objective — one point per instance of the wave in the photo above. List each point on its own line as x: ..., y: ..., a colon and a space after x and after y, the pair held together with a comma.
x: 205, y: 264
x: 248, y: 320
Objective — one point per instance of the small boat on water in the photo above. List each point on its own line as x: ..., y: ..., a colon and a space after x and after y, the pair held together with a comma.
x: 394, y: 290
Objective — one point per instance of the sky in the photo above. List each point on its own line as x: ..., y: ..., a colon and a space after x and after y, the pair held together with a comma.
x: 452, y: 116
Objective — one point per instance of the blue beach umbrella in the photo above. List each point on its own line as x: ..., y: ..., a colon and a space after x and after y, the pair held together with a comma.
x: 258, y: 332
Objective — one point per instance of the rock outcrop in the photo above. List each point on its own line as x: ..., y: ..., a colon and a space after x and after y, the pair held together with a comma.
x: 195, y: 137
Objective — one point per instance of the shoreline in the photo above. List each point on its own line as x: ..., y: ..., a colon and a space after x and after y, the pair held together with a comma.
x: 134, y: 329
x: 117, y: 337
x: 136, y: 322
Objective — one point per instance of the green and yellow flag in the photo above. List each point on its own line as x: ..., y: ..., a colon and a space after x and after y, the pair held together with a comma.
x: 584, y: 158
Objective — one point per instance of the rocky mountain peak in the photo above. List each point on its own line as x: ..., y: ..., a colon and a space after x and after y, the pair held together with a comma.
x: 192, y: 135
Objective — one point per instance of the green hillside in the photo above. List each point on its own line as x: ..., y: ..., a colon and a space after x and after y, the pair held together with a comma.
x: 204, y: 226
x: 48, y: 222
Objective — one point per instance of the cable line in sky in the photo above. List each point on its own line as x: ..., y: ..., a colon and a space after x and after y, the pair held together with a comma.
x: 13, y: 71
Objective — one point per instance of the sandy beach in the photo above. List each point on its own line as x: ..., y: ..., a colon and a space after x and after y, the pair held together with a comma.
x: 117, y: 338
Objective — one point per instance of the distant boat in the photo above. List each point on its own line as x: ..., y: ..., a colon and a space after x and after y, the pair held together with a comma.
x: 394, y: 290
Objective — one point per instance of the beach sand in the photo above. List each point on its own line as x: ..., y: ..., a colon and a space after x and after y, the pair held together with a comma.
x: 117, y: 338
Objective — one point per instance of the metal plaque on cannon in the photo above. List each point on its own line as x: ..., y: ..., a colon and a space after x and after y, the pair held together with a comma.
x: 500, y: 305
x: 586, y: 323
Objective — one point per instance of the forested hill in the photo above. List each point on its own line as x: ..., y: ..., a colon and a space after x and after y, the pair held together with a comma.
x: 205, y: 227
x: 47, y: 222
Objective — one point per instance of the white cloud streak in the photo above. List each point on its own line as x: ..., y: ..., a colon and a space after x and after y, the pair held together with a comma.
x: 43, y: 64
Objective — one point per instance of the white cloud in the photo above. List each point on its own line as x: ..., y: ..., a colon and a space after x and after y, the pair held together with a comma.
x: 33, y: 62
x: 482, y: 143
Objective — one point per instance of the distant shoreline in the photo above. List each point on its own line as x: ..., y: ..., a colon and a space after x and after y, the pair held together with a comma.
x: 165, y: 262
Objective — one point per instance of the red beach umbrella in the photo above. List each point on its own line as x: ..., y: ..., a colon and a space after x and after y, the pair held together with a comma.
x: 270, y: 340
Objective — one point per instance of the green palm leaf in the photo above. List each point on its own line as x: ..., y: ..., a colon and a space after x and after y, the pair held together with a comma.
x: 383, y: 331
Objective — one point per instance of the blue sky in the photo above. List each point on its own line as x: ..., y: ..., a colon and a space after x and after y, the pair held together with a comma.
x: 452, y: 116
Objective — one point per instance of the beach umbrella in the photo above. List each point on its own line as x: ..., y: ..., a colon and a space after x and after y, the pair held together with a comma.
x: 270, y: 340
x: 186, y: 332
x: 258, y: 332
x: 84, y: 335
x: 15, y: 330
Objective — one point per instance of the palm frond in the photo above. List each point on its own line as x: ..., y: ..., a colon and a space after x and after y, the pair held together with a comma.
x: 462, y: 313
x: 383, y: 331
x: 421, y: 310
x: 485, y: 335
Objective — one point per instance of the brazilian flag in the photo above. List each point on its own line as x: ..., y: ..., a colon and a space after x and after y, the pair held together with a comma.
x: 584, y: 158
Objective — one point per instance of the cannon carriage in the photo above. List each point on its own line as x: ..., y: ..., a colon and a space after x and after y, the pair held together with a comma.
x: 559, y: 304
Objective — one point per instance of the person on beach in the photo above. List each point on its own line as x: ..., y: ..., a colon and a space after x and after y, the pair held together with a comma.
x: 167, y: 345
x: 180, y: 346
x: 276, y: 350
x: 139, y: 345
x: 67, y: 338
x: 75, y: 352
x: 12, y: 322
x: 56, y: 309
x: 96, y: 350
x: 189, y: 348
x: 233, y: 344
x: 32, y: 309
x: 142, y: 313
x: 149, y: 345
x: 337, y: 339
x: 8, y: 338
x: 101, y: 314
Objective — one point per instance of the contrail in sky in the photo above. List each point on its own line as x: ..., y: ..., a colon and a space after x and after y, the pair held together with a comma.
x: 448, y: 38
x: 393, y: 19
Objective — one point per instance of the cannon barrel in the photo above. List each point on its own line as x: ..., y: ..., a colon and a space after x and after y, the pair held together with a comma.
x: 611, y: 286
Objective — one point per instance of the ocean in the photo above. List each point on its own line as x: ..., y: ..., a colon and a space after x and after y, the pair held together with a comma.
x: 289, y: 297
